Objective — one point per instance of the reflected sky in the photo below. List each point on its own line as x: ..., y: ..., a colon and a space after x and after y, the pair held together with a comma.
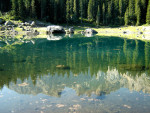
x: 78, y: 74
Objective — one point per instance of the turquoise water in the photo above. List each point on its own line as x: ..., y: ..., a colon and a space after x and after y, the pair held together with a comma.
x: 74, y: 75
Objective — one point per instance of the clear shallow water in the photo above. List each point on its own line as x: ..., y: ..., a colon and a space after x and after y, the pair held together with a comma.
x: 78, y: 74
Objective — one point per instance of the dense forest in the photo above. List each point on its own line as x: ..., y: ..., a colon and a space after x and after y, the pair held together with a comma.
x: 100, y: 12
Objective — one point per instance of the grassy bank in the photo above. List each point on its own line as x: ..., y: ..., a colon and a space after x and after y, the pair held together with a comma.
x: 130, y: 32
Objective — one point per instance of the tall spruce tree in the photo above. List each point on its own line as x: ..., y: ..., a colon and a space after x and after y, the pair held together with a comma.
x: 21, y: 10
x: 67, y: 11
x: 98, y: 16
x: 126, y: 17
x: 132, y: 17
x: 104, y: 14
x: 90, y: 10
x: 33, y: 9
x: 15, y: 7
x: 148, y: 13
x: 138, y: 12
x: 75, y: 11
x: 121, y: 8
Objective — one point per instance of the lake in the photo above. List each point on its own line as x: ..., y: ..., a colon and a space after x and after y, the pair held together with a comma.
x: 61, y: 74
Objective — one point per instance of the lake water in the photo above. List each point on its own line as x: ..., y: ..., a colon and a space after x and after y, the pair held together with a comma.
x: 74, y: 75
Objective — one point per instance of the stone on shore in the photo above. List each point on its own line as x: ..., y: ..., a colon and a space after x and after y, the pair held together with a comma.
x: 55, y: 29
x: 90, y: 31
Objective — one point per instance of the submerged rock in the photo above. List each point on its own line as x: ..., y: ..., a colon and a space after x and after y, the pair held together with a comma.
x: 70, y: 31
x: 33, y: 24
x: 55, y: 29
x: 63, y: 67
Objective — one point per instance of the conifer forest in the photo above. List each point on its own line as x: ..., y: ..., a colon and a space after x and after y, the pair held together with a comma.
x: 99, y: 12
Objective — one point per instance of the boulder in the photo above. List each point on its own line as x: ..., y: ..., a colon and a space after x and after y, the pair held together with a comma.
x: 90, y: 31
x: 7, y: 23
x: 70, y: 30
x: 33, y: 24
x: 55, y: 29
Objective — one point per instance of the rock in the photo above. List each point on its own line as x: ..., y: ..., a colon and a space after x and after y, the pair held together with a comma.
x: 90, y: 31
x: 70, y: 30
x: 7, y: 23
x: 33, y: 24
x: 55, y: 29
x: 26, y: 24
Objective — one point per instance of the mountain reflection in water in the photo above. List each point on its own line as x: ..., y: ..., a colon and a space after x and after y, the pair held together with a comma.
x: 93, y: 65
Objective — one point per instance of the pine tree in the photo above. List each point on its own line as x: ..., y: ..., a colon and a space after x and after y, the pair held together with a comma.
x: 15, y: 7
x: 126, y: 17
x: 132, y: 12
x: 67, y: 11
x: 104, y: 13
x: 148, y: 13
x: 121, y: 8
x: 71, y: 7
x: 138, y: 12
x: 21, y: 9
x: 90, y: 10
x: 75, y: 10
x: 27, y: 7
x: 81, y: 10
x: 98, y: 16
x: 33, y: 9
x: 143, y: 10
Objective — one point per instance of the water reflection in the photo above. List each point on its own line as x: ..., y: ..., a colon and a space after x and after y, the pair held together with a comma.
x: 88, y: 65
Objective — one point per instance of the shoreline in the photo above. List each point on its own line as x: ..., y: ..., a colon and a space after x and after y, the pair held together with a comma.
x: 130, y: 32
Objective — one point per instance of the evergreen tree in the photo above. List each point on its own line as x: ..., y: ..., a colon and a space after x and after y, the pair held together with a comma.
x: 21, y: 8
x: 75, y: 11
x: 121, y: 8
x: 67, y: 11
x: 104, y: 13
x: 132, y: 18
x: 81, y: 9
x: 90, y: 10
x: 126, y: 17
x: 148, y: 13
x: 144, y: 4
x: 138, y: 12
x: 33, y: 9
x: 98, y: 16
x: 27, y: 7
x: 71, y: 7
x: 15, y: 7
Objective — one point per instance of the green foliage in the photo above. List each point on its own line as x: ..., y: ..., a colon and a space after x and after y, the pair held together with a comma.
x: 1, y: 14
x: 98, y: 16
x: 111, y: 12
x: 90, y: 10
x: 126, y: 17
x: 148, y: 14
x: 138, y: 12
